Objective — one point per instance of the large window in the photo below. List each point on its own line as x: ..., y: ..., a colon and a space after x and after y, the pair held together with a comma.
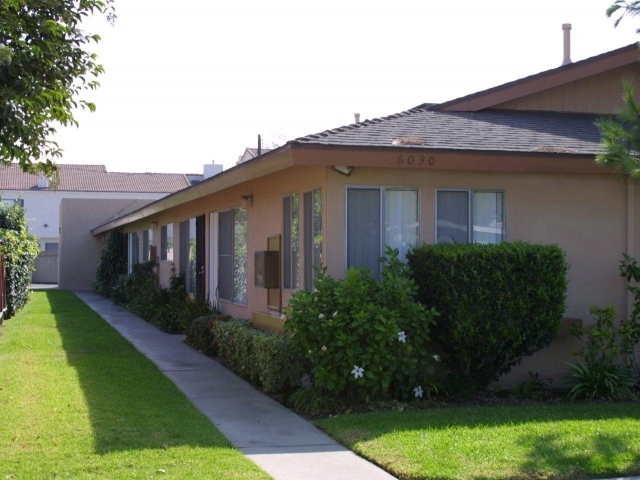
x: 291, y: 242
x: 232, y: 256
x: 188, y: 253
x: 312, y: 235
x: 465, y: 216
x: 147, y: 240
x: 166, y: 243
x: 379, y: 217
x: 134, y: 250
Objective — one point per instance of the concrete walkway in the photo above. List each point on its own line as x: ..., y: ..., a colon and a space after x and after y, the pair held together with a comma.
x: 279, y: 441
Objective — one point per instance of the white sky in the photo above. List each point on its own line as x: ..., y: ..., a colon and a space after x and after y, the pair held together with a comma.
x: 192, y: 81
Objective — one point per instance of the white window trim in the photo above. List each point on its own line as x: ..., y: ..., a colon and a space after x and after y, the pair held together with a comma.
x: 471, y: 191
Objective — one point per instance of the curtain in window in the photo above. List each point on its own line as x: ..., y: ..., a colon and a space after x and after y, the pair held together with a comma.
x: 488, y: 217
x: 452, y: 217
x: 401, y: 220
x: 363, y: 229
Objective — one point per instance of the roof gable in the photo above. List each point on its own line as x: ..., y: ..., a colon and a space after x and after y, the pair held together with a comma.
x: 543, y: 81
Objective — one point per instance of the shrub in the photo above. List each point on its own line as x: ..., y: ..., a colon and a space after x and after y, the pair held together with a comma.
x: 199, y: 333
x: 19, y: 249
x: 364, y: 338
x: 113, y: 263
x: 497, y: 304
x: 630, y: 328
x: 599, y: 375
x: 263, y: 358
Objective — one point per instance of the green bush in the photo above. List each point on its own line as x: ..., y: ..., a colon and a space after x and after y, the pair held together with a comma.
x: 599, y: 375
x: 365, y: 339
x: 498, y: 304
x: 199, y: 332
x: 630, y: 328
x: 113, y: 263
x: 19, y: 249
x: 263, y: 358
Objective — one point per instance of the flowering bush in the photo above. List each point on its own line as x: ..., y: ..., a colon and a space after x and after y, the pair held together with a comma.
x: 365, y: 338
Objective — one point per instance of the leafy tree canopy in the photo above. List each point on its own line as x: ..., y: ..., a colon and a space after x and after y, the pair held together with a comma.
x: 44, y: 68
x: 620, y: 141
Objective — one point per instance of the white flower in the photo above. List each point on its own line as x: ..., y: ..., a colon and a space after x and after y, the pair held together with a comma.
x: 321, y: 316
x: 335, y: 314
x: 436, y: 358
x: 418, y: 391
x: 324, y: 348
x: 357, y: 371
x: 283, y: 317
x: 402, y: 337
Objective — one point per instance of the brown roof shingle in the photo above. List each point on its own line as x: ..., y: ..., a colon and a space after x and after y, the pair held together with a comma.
x: 94, y: 178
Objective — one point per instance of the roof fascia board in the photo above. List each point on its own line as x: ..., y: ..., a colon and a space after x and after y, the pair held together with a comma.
x: 542, y: 81
x: 441, y: 159
x: 272, y: 162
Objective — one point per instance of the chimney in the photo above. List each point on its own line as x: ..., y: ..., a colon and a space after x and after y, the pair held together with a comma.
x: 357, y: 115
x: 259, y: 145
x: 42, y: 182
x: 566, y: 30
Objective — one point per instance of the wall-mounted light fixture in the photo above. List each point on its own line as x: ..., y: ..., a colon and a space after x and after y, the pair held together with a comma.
x: 247, y: 201
x: 154, y: 224
x: 344, y: 170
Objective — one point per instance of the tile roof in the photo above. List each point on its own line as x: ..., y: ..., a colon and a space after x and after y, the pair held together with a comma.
x: 488, y: 130
x: 95, y: 178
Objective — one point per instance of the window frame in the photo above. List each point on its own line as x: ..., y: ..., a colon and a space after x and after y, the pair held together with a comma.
x: 309, y: 270
x: 382, y: 189
x: 164, y: 243
x: 287, y: 253
x: 232, y: 278
x: 470, y: 192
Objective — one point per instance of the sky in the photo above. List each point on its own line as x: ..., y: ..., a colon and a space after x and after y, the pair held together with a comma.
x: 195, y: 81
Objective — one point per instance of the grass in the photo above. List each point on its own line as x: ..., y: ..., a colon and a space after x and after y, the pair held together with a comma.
x: 518, y: 442
x: 78, y: 401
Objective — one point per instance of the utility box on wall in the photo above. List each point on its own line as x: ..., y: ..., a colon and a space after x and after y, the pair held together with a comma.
x: 266, y: 269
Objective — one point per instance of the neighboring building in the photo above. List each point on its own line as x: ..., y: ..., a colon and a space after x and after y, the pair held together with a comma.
x: 251, y: 153
x: 515, y: 162
x: 42, y: 200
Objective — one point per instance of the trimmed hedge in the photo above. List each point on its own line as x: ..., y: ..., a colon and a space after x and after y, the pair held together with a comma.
x: 19, y: 249
x: 198, y: 333
x: 263, y: 358
x: 497, y: 304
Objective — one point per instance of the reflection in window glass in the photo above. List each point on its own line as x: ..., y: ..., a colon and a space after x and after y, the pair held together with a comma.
x: 484, y: 211
x: 488, y: 217
x: 240, y: 255
x: 192, y: 270
x: 291, y: 242
x: 166, y: 243
x: 401, y: 220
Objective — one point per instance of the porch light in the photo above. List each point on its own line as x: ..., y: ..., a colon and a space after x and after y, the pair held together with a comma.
x: 344, y: 170
x: 247, y: 201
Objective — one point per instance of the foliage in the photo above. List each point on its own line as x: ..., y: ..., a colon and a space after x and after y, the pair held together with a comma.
x: 620, y: 142
x: 365, y: 339
x: 45, y: 67
x: 199, y: 332
x: 629, y: 330
x: 498, y: 304
x: 315, y: 401
x: 197, y: 307
x: 533, y: 388
x: 599, y: 375
x: 624, y: 7
x: 263, y: 358
x: 19, y: 249
x: 113, y: 263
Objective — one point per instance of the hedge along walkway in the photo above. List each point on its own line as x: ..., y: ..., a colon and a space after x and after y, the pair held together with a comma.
x: 279, y: 441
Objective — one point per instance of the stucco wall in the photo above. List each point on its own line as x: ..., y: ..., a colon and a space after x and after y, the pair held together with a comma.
x: 80, y: 251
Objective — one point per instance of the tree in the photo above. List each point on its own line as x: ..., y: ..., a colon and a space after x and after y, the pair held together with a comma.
x: 44, y: 68
x: 621, y: 134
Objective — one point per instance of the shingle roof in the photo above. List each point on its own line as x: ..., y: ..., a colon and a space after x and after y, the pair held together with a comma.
x: 94, y: 178
x: 489, y: 130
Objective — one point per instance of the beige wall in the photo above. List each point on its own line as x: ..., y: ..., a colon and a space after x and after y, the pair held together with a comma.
x: 595, y: 94
x: 584, y: 213
x: 80, y: 251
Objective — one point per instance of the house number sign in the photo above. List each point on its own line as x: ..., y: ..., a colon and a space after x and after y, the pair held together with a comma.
x: 416, y: 160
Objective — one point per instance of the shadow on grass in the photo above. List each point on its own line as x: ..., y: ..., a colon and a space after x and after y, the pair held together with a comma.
x: 482, y: 440
x: 131, y: 404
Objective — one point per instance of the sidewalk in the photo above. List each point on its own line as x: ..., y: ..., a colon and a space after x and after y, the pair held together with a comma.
x: 279, y: 441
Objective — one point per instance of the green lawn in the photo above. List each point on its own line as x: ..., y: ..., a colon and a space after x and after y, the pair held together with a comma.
x: 78, y: 401
x: 543, y: 441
